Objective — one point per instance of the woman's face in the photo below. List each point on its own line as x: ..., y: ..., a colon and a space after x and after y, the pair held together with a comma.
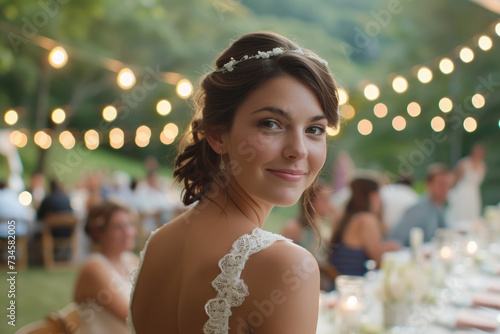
x: 277, y: 143
x: 120, y: 232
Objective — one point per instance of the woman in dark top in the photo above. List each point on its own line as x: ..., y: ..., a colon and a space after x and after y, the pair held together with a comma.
x: 358, y: 235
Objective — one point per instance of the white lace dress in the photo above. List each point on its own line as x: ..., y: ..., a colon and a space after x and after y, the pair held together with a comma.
x: 230, y: 288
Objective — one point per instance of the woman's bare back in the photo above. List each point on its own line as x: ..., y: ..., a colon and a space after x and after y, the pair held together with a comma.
x: 180, y: 264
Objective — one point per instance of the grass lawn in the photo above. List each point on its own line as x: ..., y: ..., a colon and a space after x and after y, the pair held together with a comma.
x: 39, y: 292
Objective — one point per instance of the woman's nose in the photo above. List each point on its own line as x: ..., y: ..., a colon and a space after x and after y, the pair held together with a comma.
x: 295, y: 147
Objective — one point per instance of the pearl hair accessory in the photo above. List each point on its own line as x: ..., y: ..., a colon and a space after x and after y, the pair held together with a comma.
x: 230, y: 65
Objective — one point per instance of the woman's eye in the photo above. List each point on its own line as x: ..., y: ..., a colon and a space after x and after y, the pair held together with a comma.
x: 269, y: 124
x: 316, y: 130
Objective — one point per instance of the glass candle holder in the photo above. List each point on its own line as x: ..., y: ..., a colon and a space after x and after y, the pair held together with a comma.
x: 349, y: 308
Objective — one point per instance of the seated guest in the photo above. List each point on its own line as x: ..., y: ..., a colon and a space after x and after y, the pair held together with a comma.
x: 396, y: 199
x: 358, y: 235
x: 103, y: 287
x: 428, y: 213
x: 55, y: 202
x: 12, y: 209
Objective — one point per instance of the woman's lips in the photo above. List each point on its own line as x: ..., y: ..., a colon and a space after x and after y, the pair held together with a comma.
x: 291, y: 175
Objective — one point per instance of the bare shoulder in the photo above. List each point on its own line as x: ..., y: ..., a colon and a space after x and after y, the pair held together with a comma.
x: 283, y: 283
x: 365, y: 220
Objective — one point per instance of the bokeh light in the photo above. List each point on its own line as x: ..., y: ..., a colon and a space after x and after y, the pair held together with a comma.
x: 42, y: 139
x: 470, y: 124
x: 446, y: 65
x: 58, y: 57
x: 332, y: 132
x: 58, y: 116
x: 466, y: 54
x: 371, y: 92
x: 91, y: 139
x: 445, y: 105
x: 478, y: 101
x: 399, y: 123
x: 413, y: 109
x: 142, y: 136
x: 347, y: 111
x: 184, y: 88
x: 109, y: 113
x: 485, y: 43
x: 380, y: 110
x: 116, y: 138
x: 497, y: 29
x: 424, y: 74
x: 67, y: 140
x: 365, y: 127
x: 166, y: 140
x: 11, y: 117
x: 437, y: 124
x: 400, y: 84
x: 171, y: 130
x: 163, y: 107
x: 25, y: 198
x: 18, y: 138
x: 126, y: 78
x: 343, y: 96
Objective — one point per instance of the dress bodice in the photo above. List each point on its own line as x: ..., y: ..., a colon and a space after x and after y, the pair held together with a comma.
x: 230, y: 288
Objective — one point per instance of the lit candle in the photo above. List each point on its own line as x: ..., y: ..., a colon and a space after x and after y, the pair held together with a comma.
x: 350, y: 310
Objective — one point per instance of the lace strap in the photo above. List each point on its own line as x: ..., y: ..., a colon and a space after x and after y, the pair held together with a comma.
x: 231, y: 290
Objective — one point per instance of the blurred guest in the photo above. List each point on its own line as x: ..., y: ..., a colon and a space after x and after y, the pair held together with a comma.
x: 37, y: 189
x: 301, y: 233
x: 11, y: 209
x: 428, y: 213
x: 465, y: 197
x: 57, y: 201
x: 357, y: 237
x: 103, y: 288
x: 396, y: 199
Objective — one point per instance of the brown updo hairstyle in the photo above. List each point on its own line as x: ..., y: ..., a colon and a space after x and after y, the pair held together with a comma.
x: 221, y: 93
x: 99, y: 216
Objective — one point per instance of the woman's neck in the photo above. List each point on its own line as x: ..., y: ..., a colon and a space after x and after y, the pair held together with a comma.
x: 236, y: 202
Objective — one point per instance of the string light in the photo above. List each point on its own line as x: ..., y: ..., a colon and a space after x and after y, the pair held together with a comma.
x: 42, y: 139
x: 171, y: 130
x: 58, y: 116
x: 413, y: 109
x: 424, y: 74
x: 166, y: 140
x: 399, y: 123
x: 126, y: 78
x: 18, y: 138
x: 470, y: 124
x: 380, y: 110
x: 485, y: 43
x: 11, y: 117
x: 67, y: 140
x: 163, y: 107
x: 478, y: 101
x: 25, y: 198
x: 116, y: 138
x: 445, y: 105
x: 343, y: 96
x: 497, y: 29
x: 91, y: 139
x: 58, y: 57
x: 142, y: 136
x: 371, y: 92
x: 446, y: 65
x: 399, y: 84
x: 347, y: 111
x: 184, y: 88
x: 365, y: 127
x: 437, y: 124
x: 466, y: 54
x: 332, y: 132
x: 109, y: 113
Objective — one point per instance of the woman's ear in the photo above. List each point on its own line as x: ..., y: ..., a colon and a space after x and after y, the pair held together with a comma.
x: 216, y: 141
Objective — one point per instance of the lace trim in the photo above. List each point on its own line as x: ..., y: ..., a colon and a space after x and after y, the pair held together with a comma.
x: 133, y: 279
x: 231, y: 290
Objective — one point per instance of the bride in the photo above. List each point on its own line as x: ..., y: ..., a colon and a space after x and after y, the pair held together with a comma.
x: 257, y: 140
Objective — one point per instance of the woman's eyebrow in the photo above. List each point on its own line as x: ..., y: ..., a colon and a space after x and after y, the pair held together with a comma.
x: 281, y: 112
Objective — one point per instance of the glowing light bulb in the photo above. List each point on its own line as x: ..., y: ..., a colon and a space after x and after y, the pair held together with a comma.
x: 58, y: 57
